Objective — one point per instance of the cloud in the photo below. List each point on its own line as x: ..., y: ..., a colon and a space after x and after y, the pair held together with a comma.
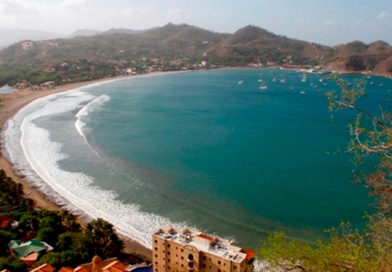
x: 384, y: 15
x: 65, y: 16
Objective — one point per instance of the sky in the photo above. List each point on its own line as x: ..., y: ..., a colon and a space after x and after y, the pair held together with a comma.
x: 328, y: 22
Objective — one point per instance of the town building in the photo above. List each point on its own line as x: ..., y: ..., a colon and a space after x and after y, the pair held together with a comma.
x: 44, y: 268
x: 193, y: 251
x: 98, y: 265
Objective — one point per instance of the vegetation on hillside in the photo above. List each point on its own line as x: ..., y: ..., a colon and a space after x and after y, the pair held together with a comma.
x: 176, y: 47
x: 350, y: 249
x: 72, y: 244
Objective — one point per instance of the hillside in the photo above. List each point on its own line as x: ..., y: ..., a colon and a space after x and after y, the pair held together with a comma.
x: 358, y: 56
x: 252, y: 43
x: 93, y: 54
x: 11, y: 36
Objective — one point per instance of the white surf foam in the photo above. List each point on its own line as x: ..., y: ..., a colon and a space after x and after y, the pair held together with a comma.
x: 82, y: 114
x: 37, y: 157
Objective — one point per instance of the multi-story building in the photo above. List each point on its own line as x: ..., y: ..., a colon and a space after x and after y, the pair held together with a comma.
x: 193, y: 251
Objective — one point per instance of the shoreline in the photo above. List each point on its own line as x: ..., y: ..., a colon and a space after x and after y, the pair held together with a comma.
x: 13, y: 102
x: 10, y: 105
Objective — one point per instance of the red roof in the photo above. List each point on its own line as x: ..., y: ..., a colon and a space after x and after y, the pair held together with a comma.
x: 66, y: 269
x: 29, y: 237
x: 115, y: 266
x: 205, y: 236
x: 249, y: 254
x: 44, y: 268
x: 5, y: 221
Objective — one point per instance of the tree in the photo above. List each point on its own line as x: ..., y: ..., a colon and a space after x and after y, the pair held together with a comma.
x: 5, y: 238
x: 356, y: 63
x: 75, y: 241
x: 103, y: 238
x: 348, y: 249
x: 12, y: 264
x: 69, y: 222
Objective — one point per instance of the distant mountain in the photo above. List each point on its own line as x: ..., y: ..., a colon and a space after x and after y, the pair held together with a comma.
x: 85, y: 32
x: 184, y: 46
x: 358, y: 56
x: 167, y: 42
x: 11, y: 36
x: 121, y: 31
x: 253, y: 43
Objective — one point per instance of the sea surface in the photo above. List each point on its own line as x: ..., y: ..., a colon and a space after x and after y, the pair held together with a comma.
x: 207, y: 149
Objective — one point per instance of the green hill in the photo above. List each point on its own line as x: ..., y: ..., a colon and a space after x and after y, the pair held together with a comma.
x: 174, y: 47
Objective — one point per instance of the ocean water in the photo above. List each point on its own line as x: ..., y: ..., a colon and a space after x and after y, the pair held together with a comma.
x: 206, y: 149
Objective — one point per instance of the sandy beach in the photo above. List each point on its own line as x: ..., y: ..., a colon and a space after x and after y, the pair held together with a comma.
x: 10, y: 105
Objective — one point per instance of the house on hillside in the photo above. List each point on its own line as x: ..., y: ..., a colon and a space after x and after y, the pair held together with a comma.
x: 47, y: 85
x: 7, y: 223
x: 98, y: 265
x: 29, y: 252
x: 44, y: 268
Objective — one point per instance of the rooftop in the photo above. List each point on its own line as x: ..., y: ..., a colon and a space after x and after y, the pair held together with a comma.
x: 213, y: 245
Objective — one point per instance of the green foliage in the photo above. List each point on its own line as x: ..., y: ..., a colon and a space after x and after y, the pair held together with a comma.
x: 60, y: 229
x: 5, y: 238
x: 63, y: 258
x: 103, y: 238
x: 29, y: 222
x: 12, y: 264
x: 346, y: 250
x: 356, y: 63
x: 75, y: 241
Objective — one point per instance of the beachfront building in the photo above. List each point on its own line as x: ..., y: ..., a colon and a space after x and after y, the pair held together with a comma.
x: 193, y: 251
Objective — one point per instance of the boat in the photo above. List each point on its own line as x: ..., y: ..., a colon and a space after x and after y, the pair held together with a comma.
x: 381, y: 85
x: 282, y: 80
x: 240, y: 82
x: 263, y: 87
x: 372, y: 83
x: 302, y: 92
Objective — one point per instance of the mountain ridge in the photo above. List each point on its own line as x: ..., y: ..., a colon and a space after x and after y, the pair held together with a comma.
x: 183, y: 46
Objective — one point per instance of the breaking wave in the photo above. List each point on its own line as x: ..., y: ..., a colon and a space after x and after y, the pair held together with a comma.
x: 36, y: 156
x: 81, y: 116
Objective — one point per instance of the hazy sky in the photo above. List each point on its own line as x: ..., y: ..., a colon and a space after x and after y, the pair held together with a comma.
x: 324, y: 21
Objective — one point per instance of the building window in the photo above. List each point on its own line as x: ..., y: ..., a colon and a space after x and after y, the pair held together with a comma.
x: 156, y: 241
x: 190, y: 257
x: 182, y: 250
x: 219, y: 262
x: 156, y: 255
x: 156, y: 248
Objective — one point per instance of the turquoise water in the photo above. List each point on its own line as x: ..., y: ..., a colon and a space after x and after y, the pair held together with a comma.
x: 247, y: 157
x: 203, y: 150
